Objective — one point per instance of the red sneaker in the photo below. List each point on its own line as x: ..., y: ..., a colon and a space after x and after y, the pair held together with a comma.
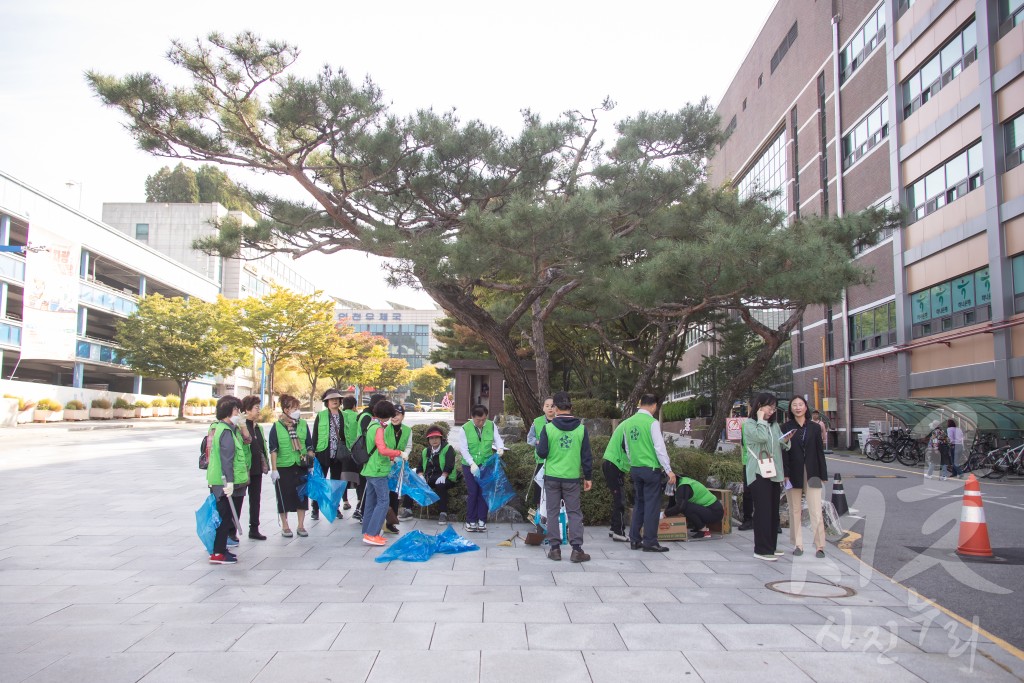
x: 223, y: 558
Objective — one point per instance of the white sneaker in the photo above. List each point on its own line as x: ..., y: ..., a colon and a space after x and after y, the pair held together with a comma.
x: 766, y: 558
x: 481, y: 526
x: 470, y: 526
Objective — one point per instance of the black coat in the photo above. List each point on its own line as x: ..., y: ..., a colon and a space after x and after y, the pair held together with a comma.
x: 806, y: 448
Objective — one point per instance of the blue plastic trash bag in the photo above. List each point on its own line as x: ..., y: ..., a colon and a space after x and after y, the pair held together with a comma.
x: 325, y: 492
x: 207, y: 521
x: 450, y: 543
x: 414, y: 546
x: 412, y: 484
x: 497, y: 489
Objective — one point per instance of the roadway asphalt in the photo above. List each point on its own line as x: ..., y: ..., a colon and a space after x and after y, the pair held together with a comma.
x: 908, y: 529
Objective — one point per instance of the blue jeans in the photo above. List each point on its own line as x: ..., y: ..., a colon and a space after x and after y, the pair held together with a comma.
x: 376, y: 508
x: 476, y: 506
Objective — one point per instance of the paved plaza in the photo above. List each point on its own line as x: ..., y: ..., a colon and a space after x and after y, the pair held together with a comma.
x: 102, y: 578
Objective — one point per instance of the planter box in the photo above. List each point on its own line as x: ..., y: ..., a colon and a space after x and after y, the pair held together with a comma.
x: 168, y: 412
x: 75, y: 415
x: 41, y: 415
x: 26, y: 416
x: 191, y: 410
x: 123, y: 413
x: 143, y: 412
x: 101, y: 413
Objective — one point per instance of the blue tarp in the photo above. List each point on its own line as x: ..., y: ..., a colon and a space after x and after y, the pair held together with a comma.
x: 326, y: 492
x: 417, y: 546
x: 497, y: 489
x: 413, y: 485
x: 207, y: 521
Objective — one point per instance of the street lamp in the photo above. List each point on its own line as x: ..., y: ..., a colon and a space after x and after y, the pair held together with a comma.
x: 71, y: 183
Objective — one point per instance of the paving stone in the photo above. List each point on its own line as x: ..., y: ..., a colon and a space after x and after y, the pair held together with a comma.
x: 109, y: 668
x: 479, y: 637
x: 856, y: 614
x: 633, y: 594
x: 685, y: 637
x: 235, y: 577
x: 574, y: 637
x: 208, y: 667
x: 323, y: 667
x: 441, y: 612
x: 709, y: 595
x: 364, y: 577
x: 191, y: 638
x: 776, y: 614
x: 94, y: 639
x: 24, y: 594
x: 657, y: 580
x: 516, y: 667
x: 649, y: 667
x: 320, y: 594
x: 354, y: 613
x: 367, y: 636
x: 244, y: 594
x: 205, y: 613
x: 767, y: 596
x: 940, y: 668
x: 588, y: 579
x: 17, y: 667
x: 287, y: 638
x: 267, y: 613
x: 475, y: 561
x: 406, y: 594
x: 483, y: 594
x: 526, y: 612
x: 303, y: 562
x: 449, y: 578
x: 92, y: 614
x: 851, y: 667
x: 164, y: 577
x: 560, y: 594
x: 678, y: 613
x: 772, y: 637
x: 394, y: 665
x: 742, y: 667
x: 27, y: 613
x: 608, y: 613
x: 308, y: 577
x: 518, y: 578
x: 164, y: 594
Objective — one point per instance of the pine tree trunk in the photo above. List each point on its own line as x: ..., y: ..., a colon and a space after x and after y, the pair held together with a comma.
x: 540, y: 351
x: 654, y: 358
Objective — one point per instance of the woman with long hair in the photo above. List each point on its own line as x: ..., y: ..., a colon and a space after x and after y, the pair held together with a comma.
x: 763, y: 444
x: 806, y: 471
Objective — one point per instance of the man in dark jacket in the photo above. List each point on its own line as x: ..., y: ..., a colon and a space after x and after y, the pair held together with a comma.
x: 565, y: 449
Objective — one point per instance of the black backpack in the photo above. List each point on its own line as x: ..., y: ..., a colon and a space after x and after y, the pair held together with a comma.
x: 359, y: 453
x: 204, y: 451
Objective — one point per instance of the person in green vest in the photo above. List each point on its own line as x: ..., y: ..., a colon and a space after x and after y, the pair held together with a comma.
x: 290, y: 440
x: 532, y: 438
x: 400, y: 438
x: 363, y: 421
x: 565, y: 449
x: 438, y: 460
x: 615, y: 466
x: 227, y: 474
x: 649, y: 464
x: 700, y: 507
x: 259, y: 465
x: 349, y: 467
x: 375, y: 471
x: 329, y: 436
x: 476, y: 441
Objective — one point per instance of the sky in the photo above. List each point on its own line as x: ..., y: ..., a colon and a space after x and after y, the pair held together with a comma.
x: 485, y: 60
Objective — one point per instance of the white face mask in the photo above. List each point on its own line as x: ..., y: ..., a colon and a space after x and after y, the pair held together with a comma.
x: 237, y: 420
x: 295, y: 414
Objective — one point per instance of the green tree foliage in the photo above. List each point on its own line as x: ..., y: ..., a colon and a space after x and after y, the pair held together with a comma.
x: 181, y: 340
x: 176, y: 186
x: 357, y: 354
x: 502, y: 231
x: 385, y: 374
x: 282, y: 324
x: 206, y: 184
x: 428, y: 381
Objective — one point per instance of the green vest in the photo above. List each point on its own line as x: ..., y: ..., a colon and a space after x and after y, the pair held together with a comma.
x: 480, y: 447
x: 701, y: 495
x: 286, y: 455
x: 442, y: 461
x: 389, y: 437
x: 214, y: 474
x: 349, y: 420
x: 323, y: 427
x: 564, y: 460
x: 378, y: 465
x: 640, y: 445
x: 614, y: 452
x: 538, y: 427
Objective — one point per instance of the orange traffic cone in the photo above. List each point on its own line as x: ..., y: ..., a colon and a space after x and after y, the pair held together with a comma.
x: 973, y: 529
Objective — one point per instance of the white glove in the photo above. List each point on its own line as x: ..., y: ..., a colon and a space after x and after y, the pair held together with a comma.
x: 440, y: 480
x: 229, y: 489
x: 474, y: 469
x: 405, y: 456
x: 274, y: 475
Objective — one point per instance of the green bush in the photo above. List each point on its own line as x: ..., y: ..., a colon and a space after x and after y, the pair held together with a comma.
x: 210, y: 402
x: 727, y: 469
x: 194, y: 401
x: 141, y: 404
x: 159, y: 403
x: 122, y: 404
x: 172, y: 401
x: 510, y: 406
x: 595, y: 407
x: 268, y: 415
x: 74, y: 404
x: 48, y: 404
x: 101, y: 403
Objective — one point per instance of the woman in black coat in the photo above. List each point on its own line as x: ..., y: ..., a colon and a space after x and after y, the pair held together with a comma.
x: 806, y: 471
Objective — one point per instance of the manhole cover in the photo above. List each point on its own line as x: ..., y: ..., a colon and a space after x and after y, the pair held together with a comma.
x: 810, y: 589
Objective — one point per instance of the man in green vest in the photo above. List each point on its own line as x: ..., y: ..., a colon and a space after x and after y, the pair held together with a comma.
x: 565, y: 449
x: 700, y: 507
x: 476, y: 441
x: 615, y: 466
x: 227, y: 474
x: 649, y: 464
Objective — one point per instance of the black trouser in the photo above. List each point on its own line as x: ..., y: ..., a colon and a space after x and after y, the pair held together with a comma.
x: 616, y: 480
x: 748, y: 504
x: 647, y: 488
x: 699, y: 516
x: 765, y: 494
x: 442, y: 492
x: 227, y: 521
x: 330, y: 468
x: 255, y: 490
x: 360, y: 490
x: 535, y: 494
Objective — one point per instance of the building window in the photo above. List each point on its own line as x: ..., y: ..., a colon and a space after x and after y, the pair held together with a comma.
x: 883, y: 234
x: 864, y: 41
x: 1011, y: 13
x: 768, y: 174
x: 822, y: 144
x: 1013, y: 134
x: 902, y: 6
x: 945, y: 65
x: 1018, y: 282
x: 796, y: 163
x: 760, y: 80
x: 959, y: 302
x: 945, y: 184
x: 868, y: 132
x: 697, y: 334
x: 873, y: 328
x: 783, y: 48
x: 830, y: 328
x: 142, y: 232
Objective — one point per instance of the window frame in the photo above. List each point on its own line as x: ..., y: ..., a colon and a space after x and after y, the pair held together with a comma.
x: 917, y: 90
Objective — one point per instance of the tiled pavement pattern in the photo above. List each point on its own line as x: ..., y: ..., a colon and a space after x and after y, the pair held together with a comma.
x: 102, y: 579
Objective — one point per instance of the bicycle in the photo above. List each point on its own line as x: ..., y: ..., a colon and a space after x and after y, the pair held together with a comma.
x: 1009, y: 460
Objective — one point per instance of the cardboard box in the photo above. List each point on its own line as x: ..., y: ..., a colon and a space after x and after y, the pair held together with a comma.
x: 673, y: 529
x: 725, y: 498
